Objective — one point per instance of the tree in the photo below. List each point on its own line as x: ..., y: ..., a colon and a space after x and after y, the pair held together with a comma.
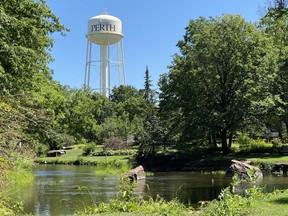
x: 86, y: 112
x: 152, y: 133
x: 274, y: 23
x: 148, y: 92
x: 129, y: 109
x: 26, y: 27
x: 26, y: 83
x: 130, y: 100
x: 221, y: 78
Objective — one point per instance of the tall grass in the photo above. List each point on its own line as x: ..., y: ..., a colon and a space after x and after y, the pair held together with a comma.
x: 127, y: 202
x: 15, y: 168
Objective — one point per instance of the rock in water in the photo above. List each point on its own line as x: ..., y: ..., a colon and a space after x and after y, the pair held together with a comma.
x: 136, y: 173
x: 244, y: 170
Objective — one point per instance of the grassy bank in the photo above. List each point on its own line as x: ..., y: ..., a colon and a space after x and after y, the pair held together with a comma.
x: 75, y: 157
x: 106, y: 164
x: 253, y: 203
x: 211, y: 161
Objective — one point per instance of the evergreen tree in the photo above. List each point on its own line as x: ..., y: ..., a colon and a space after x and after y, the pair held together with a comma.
x: 148, y: 92
x: 153, y: 133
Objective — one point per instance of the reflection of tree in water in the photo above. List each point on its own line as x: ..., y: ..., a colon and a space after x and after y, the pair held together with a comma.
x: 188, y: 187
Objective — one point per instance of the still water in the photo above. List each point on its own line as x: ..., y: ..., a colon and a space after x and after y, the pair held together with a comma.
x: 64, y: 189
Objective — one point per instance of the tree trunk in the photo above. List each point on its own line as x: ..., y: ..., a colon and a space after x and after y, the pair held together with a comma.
x: 153, y: 147
x: 210, y: 139
x: 230, y: 140
x: 214, y: 139
x: 225, y: 148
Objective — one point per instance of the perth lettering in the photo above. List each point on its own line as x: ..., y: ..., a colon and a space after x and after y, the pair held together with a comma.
x: 103, y: 27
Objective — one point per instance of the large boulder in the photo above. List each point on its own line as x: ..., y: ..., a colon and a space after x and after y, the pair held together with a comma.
x: 137, y: 173
x: 244, y: 171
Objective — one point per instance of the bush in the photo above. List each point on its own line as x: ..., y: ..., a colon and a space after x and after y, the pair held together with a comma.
x: 276, y: 143
x: 247, y: 144
x: 115, y: 144
x: 244, y: 140
x: 7, y: 208
x: 89, y: 149
x: 115, y: 152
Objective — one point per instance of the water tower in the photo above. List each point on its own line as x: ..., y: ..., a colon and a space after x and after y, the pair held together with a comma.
x: 105, y: 32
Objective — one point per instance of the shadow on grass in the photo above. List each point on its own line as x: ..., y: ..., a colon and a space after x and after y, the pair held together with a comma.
x: 283, y: 200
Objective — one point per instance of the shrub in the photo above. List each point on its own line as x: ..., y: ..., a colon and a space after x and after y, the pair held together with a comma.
x: 247, y: 144
x: 115, y: 152
x: 276, y: 143
x: 244, y: 140
x: 115, y: 143
x: 89, y: 149
x: 7, y: 208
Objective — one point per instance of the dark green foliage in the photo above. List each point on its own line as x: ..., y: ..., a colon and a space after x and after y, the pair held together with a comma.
x: 148, y: 92
x: 221, y: 79
x: 152, y: 134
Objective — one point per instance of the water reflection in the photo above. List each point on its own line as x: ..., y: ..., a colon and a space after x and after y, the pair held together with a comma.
x: 189, y: 187
x: 65, y: 189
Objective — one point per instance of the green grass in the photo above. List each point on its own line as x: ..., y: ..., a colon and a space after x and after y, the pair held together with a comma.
x: 253, y: 202
x: 74, y: 156
x: 259, y: 205
x: 273, y: 204
x: 113, y: 168
x: 269, y: 159
x: 68, y: 158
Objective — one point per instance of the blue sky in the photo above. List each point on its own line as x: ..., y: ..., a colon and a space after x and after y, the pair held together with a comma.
x: 151, y: 30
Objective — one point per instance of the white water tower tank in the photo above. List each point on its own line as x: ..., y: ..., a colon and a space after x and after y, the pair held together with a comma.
x: 104, y: 29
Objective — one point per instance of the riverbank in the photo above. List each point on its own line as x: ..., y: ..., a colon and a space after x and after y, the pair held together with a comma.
x: 204, y: 162
x: 173, y: 161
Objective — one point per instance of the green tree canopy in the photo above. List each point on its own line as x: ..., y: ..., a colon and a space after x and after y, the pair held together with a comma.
x: 25, y: 28
x: 30, y: 98
x: 221, y: 78
x: 274, y: 23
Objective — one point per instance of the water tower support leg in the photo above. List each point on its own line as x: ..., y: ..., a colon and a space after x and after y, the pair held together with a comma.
x: 104, y: 70
x: 88, y: 65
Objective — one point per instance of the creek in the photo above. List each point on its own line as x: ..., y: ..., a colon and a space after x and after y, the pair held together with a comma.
x: 66, y: 189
